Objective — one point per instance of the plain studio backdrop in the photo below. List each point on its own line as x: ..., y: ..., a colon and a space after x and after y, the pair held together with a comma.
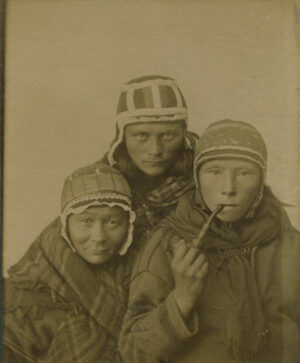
x: 66, y: 61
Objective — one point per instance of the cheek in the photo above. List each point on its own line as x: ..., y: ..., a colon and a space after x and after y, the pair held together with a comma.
x: 78, y: 237
x: 173, y: 147
x: 250, y: 186
x: 209, y: 186
x: 250, y: 191
x: 132, y: 143
x: 118, y: 236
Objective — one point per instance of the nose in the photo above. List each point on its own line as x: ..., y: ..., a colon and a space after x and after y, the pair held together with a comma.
x: 155, y: 146
x: 228, y: 184
x: 98, y: 233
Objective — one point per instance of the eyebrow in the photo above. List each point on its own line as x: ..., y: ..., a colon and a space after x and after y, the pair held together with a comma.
x: 213, y: 166
x: 142, y: 127
x: 219, y: 166
x: 86, y: 213
x: 109, y: 214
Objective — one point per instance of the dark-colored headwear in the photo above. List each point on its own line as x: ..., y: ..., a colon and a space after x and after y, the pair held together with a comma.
x: 232, y: 139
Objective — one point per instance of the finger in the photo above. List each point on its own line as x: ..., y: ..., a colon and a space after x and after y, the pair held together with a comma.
x: 190, y: 256
x: 192, y: 270
x: 202, y: 272
x: 176, y: 239
x: 198, y: 242
x: 179, y: 251
x: 197, y: 264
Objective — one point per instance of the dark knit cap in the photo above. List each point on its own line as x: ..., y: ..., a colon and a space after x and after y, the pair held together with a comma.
x: 228, y: 138
x: 232, y: 139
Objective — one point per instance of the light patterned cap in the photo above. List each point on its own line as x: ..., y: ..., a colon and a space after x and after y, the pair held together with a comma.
x: 152, y: 97
x: 149, y: 99
x: 95, y: 185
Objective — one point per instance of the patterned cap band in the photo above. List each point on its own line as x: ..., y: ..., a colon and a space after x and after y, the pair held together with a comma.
x: 231, y: 138
x: 96, y: 185
x: 93, y: 180
x: 149, y: 99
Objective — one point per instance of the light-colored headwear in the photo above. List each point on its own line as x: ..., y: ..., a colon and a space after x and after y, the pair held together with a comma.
x: 232, y: 139
x: 93, y: 186
x: 148, y: 99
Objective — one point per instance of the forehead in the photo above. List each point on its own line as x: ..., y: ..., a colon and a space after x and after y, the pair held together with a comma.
x: 155, y: 127
x: 104, y: 211
x: 230, y: 164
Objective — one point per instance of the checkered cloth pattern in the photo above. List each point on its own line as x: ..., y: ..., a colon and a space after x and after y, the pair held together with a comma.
x: 51, y: 279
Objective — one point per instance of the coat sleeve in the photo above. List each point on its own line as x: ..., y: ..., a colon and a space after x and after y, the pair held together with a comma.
x: 289, y: 307
x: 278, y: 270
x: 153, y: 327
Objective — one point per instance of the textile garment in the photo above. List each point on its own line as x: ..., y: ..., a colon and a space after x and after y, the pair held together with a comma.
x: 59, y: 308
x: 158, y: 202
x: 228, y: 138
x: 92, y: 186
x: 95, y: 180
x: 56, y: 305
x: 148, y: 99
x: 249, y: 310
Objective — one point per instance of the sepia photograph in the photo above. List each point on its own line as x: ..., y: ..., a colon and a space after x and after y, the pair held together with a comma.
x: 151, y: 195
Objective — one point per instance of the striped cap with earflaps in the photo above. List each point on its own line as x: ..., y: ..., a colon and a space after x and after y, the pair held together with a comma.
x: 96, y: 185
x: 232, y: 139
x: 148, y: 99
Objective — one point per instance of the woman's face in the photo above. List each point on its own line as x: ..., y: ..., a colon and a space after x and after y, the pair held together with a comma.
x: 153, y: 147
x: 98, y: 232
x: 232, y: 182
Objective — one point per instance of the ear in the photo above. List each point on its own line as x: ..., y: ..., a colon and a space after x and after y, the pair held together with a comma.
x: 128, y: 240
x: 187, y: 142
x: 260, y: 194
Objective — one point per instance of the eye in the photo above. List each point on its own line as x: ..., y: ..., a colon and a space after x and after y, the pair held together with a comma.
x: 244, y: 172
x: 86, y: 221
x: 142, y: 136
x: 213, y: 171
x: 113, y: 223
x: 168, y: 136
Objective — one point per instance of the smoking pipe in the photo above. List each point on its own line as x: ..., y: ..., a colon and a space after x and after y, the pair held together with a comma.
x: 198, y: 241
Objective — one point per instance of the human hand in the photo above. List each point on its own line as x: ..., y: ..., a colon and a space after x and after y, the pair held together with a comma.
x: 190, y: 267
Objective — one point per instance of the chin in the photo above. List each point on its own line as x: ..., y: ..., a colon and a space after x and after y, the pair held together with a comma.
x: 154, y: 172
x: 229, y: 218
x: 97, y: 260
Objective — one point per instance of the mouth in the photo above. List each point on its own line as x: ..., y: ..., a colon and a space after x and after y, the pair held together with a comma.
x: 228, y: 205
x: 155, y: 162
x: 100, y: 252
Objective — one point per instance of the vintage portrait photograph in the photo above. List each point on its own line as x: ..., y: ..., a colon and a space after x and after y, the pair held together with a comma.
x: 151, y: 194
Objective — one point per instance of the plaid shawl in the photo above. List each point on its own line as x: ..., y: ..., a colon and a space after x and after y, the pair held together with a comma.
x: 51, y: 276
x: 153, y: 204
x: 157, y: 203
